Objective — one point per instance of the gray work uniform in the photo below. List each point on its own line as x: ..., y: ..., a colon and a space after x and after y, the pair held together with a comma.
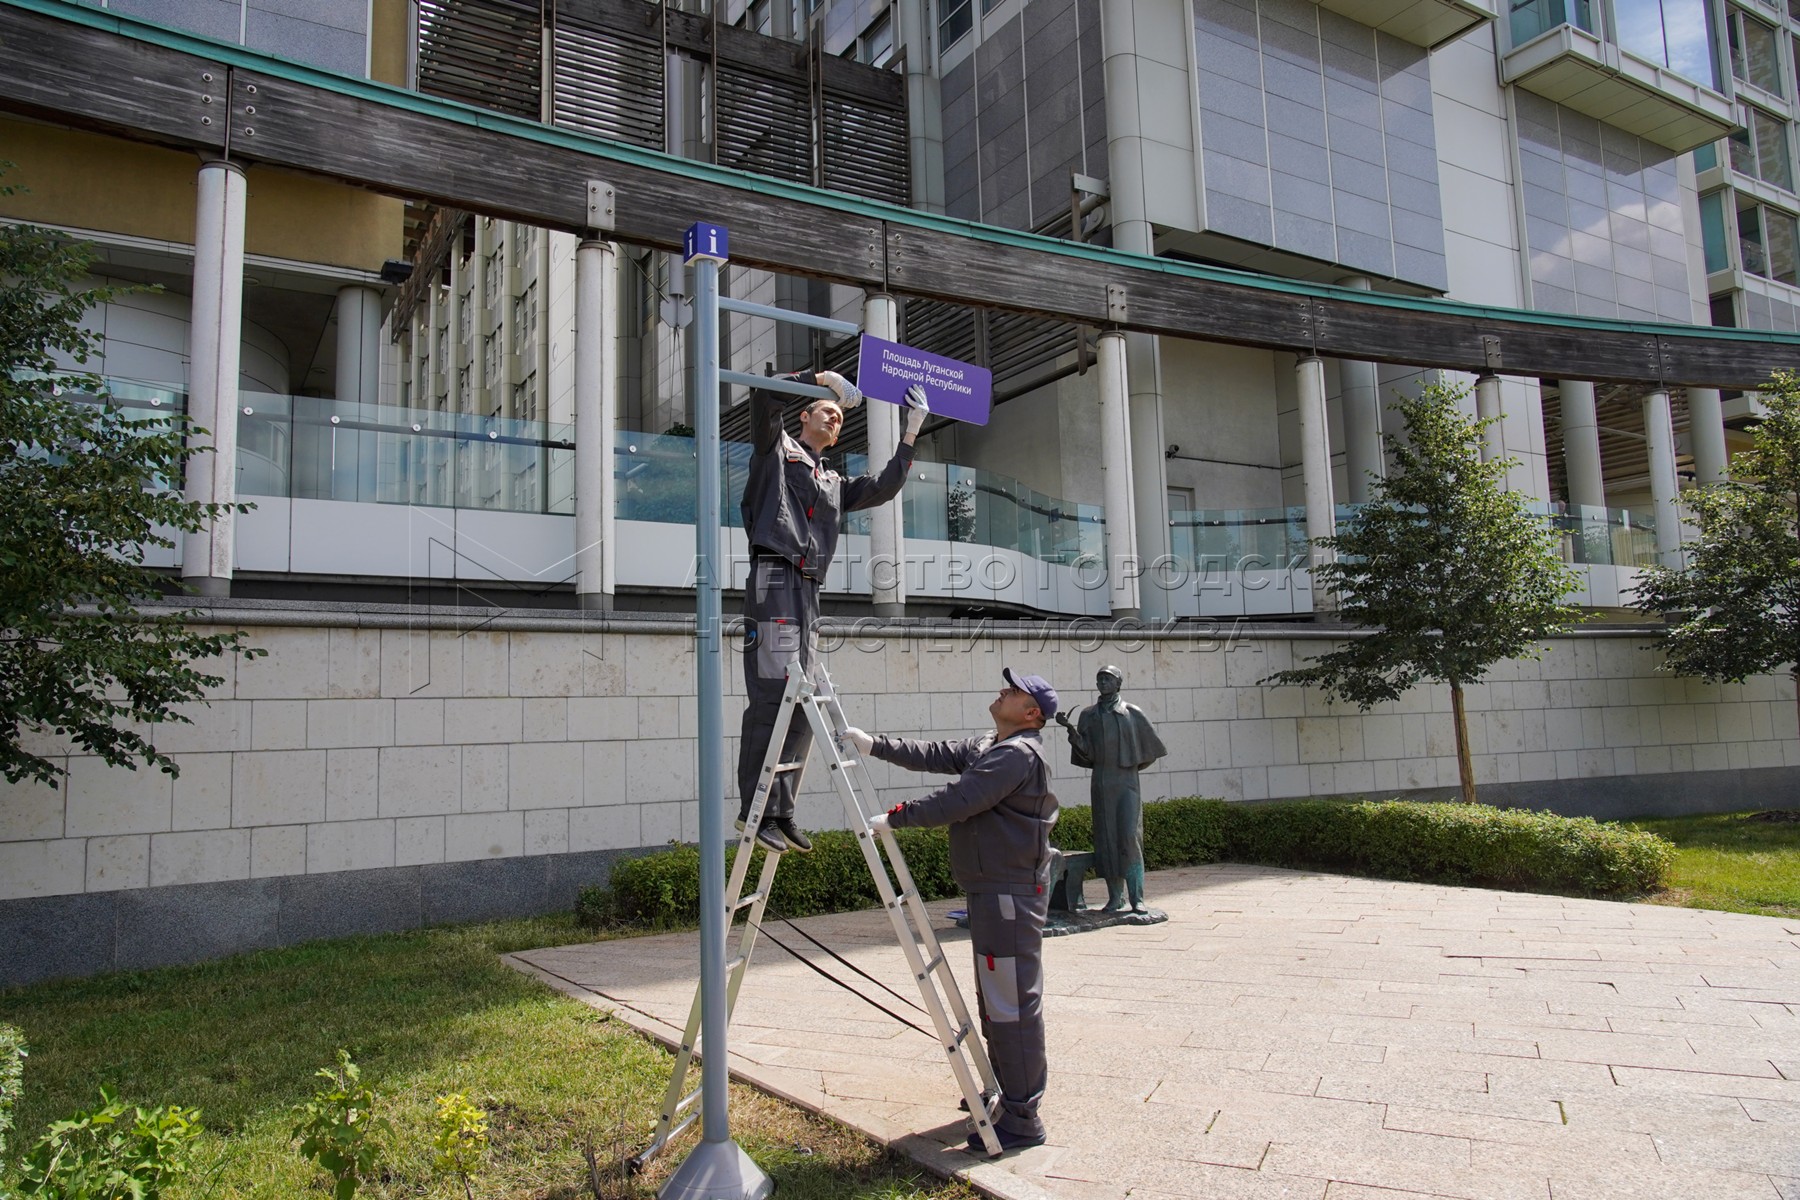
x: 793, y: 507
x: 1000, y: 811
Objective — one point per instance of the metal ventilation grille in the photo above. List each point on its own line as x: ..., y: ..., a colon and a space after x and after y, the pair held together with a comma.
x: 607, y: 82
x: 765, y: 124
x: 865, y: 150
x: 483, y: 52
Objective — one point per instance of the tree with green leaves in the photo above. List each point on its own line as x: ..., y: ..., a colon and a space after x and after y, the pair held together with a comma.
x: 1446, y: 570
x: 1733, y: 610
x: 87, y: 490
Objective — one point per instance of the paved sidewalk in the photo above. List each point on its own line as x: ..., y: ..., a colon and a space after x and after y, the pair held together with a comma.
x: 1311, y: 1037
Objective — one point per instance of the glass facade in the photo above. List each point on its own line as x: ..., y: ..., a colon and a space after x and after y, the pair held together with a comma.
x: 1672, y: 33
x: 1534, y: 17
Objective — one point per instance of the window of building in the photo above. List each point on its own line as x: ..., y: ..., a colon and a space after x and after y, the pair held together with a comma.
x: 1724, y: 311
x: 760, y: 17
x: 525, y: 316
x: 490, y: 359
x: 1761, y: 150
x: 877, y: 42
x: 525, y: 406
x: 1754, y: 56
x: 1671, y: 32
x: 955, y: 19
x: 1712, y: 231
x: 490, y: 278
x: 1766, y: 242
x: 1533, y: 17
x: 1706, y: 157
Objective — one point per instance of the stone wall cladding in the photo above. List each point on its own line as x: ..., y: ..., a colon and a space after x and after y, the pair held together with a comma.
x: 359, y: 749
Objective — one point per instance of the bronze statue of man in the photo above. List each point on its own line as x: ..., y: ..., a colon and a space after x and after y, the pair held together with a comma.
x: 1117, y: 741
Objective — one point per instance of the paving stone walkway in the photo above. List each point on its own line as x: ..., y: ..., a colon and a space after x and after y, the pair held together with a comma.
x: 1311, y: 1037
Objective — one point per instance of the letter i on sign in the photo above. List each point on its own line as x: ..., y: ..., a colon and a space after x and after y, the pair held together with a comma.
x: 703, y: 241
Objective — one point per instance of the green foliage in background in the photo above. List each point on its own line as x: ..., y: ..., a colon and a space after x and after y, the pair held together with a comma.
x: 1395, y: 839
x: 112, y: 1153
x: 1734, y: 606
x: 87, y: 489
x: 339, y: 1129
x: 12, y: 1073
x: 1448, y: 571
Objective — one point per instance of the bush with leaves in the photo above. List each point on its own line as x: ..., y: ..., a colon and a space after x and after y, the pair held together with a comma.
x: 112, y: 1153
x: 1395, y: 839
x: 1734, y: 607
x: 339, y: 1128
x: 87, y: 489
x: 12, y: 1075
x: 460, y: 1137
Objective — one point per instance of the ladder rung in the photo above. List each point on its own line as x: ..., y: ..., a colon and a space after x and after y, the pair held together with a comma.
x: 931, y: 966
x: 687, y: 1100
x: 748, y: 900
x: 733, y: 963
x: 903, y: 897
x: 784, y: 768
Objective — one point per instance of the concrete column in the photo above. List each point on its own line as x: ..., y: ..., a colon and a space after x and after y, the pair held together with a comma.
x: 1116, y: 476
x: 1706, y: 426
x: 1315, y: 470
x: 887, y: 525
x: 1581, y: 444
x: 1488, y: 408
x: 1364, y: 460
x: 1134, y: 233
x: 596, y: 420
x: 924, y: 108
x: 1659, y: 434
x: 215, y: 338
x: 359, y: 344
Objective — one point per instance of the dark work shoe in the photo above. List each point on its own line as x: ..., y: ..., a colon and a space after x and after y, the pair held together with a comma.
x: 769, y: 836
x: 796, y: 840
x: 1008, y: 1140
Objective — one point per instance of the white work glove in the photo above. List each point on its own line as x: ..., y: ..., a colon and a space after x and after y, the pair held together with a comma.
x: 854, y: 737
x: 917, y: 409
x: 879, y: 823
x: 848, y: 396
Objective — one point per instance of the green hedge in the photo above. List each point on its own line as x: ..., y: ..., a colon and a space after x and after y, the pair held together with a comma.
x: 1394, y: 839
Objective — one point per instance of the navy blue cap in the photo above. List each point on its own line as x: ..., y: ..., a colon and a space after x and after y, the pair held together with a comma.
x: 1037, y: 687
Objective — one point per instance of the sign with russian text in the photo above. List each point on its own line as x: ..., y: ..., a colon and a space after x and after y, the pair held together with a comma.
x: 959, y: 390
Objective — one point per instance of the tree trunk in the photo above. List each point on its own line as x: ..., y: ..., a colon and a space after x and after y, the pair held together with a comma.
x: 1465, y: 765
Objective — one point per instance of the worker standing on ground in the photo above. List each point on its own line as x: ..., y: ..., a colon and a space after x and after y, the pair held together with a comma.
x: 1000, y: 811
x: 793, y: 505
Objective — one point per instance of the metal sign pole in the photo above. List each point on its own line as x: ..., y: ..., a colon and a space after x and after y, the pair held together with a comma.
x: 716, y: 1169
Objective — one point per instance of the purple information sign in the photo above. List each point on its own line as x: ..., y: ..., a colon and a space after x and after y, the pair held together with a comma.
x: 959, y: 390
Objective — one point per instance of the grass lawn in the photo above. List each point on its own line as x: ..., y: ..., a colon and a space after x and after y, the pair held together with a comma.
x: 1732, y: 862
x: 423, y: 1014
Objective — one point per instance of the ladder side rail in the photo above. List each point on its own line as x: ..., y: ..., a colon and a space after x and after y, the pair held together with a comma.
x: 961, y: 1044
x: 752, y: 927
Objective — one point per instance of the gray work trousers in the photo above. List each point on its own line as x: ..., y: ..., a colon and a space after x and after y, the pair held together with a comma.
x: 1007, y: 933
x: 781, y: 609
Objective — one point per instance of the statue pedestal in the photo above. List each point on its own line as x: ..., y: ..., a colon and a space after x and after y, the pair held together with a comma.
x: 1083, y: 920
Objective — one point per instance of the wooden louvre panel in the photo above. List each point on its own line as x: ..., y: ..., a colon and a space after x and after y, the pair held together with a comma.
x: 607, y: 72
x: 765, y: 123
x: 865, y: 150
x: 483, y: 52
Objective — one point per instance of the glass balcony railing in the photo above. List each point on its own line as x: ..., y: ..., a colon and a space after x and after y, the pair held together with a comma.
x: 942, y: 502
x: 1616, y: 537
x: 1533, y: 17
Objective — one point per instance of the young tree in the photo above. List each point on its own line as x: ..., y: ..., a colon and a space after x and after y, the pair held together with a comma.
x: 1734, y: 609
x: 1449, y: 571
x: 86, y: 490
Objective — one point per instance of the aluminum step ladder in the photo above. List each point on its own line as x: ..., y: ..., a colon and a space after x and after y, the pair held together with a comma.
x: 943, y: 999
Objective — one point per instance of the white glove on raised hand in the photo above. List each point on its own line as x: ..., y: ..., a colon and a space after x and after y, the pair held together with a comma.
x: 879, y: 823
x: 917, y: 409
x: 848, y: 396
x: 854, y: 737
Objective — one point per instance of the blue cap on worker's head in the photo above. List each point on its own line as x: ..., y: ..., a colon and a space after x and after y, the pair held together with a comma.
x: 1037, y: 687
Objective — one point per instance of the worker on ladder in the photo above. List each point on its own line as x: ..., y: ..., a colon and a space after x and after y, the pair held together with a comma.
x: 793, y: 505
x: 1000, y: 811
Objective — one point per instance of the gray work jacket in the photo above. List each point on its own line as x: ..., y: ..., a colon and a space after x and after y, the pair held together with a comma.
x: 793, y: 502
x: 1000, y: 809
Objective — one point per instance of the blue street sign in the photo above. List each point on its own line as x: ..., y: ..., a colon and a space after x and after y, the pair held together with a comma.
x: 705, y: 241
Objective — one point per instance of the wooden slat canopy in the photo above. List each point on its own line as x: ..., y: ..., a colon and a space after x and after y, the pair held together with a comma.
x: 91, y: 69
